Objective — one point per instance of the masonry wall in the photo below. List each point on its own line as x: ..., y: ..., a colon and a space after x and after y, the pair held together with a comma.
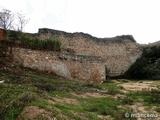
x: 87, y: 68
x: 84, y: 57
x: 119, y: 53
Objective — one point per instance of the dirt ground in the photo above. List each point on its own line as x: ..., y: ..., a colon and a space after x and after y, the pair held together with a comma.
x: 140, y: 86
x: 136, y: 86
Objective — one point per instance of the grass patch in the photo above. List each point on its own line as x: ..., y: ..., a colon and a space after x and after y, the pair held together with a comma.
x: 26, y: 87
x: 110, y: 87
x: 148, y: 97
x: 91, y: 107
x: 128, y: 100
x: 93, y: 116
x: 157, y: 109
x: 103, y: 106
x: 13, y: 99
x: 21, y: 88
x: 65, y: 109
x: 40, y: 103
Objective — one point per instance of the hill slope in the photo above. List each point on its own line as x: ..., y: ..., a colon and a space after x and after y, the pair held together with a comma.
x: 28, y: 94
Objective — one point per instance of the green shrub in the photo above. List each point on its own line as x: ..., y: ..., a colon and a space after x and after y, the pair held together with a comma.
x: 33, y: 42
x: 146, y: 67
x: 14, y: 35
x: 128, y: 100
x: 47, y: 87
x: 16, y: 106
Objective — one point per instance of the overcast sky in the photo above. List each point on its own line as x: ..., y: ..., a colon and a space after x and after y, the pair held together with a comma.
x: 100, y: 18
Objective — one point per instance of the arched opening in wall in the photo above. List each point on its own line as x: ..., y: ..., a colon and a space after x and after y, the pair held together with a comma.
x: 107, y: 72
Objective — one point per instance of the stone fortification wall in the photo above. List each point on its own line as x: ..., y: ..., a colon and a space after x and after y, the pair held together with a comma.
x: 119, y: 53
x: 84, y: 57
x: 87, y: 68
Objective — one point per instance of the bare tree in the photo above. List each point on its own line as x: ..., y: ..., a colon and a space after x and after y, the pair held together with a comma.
x: 22, y: 21
x: 9, y: 20
x: 6, y: 19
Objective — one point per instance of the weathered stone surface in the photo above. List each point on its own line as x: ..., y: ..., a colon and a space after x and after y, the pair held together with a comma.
x: 118, y: 52
x: 72, y: 66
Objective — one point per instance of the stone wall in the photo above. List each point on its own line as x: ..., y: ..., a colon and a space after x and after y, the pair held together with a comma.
x: 119, y: 53
x: 84, y: 57
x: 87, y: 68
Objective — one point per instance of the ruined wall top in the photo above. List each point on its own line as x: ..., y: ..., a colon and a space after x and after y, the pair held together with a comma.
x: 117, y: 39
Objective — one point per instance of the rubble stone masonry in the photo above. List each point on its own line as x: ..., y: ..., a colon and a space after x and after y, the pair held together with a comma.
x: 87, y: 68
x: 84, y: 57
x: 119, y: 53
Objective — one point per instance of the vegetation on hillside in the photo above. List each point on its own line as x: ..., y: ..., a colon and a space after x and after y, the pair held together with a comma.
x: 148, y: 66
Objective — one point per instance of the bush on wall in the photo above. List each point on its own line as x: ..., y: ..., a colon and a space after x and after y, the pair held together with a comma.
x: 33, y: 42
